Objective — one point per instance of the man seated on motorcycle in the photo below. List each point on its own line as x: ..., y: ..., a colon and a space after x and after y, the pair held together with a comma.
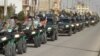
x: 9, y: 23
x: 36, y: 22
x: 43, y: 20
x: 28, y: 22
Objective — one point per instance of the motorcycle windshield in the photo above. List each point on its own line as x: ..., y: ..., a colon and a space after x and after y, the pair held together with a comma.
x: 49, y: 21
x: 29, y: 23
x: 65, y: 20
x: 73, y: 20
x: 78, y: 20
x: 9, y: 30
x: 36, y: 23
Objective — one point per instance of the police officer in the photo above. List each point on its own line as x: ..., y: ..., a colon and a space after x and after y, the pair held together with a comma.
x: 36, y: 25
x: 43, y: 22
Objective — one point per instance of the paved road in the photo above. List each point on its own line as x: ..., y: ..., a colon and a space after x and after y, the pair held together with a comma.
x: 84, y: 43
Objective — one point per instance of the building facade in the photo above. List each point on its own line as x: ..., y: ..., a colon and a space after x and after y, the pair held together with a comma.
x: 26, y: 4
x: 49, y: 4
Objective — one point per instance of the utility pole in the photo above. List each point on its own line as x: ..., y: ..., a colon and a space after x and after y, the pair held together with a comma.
x: 5, y: 8
x: 31, y: 8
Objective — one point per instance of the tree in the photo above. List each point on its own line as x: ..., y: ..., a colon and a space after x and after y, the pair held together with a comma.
x: 11, y: 11
x: 21, y: 16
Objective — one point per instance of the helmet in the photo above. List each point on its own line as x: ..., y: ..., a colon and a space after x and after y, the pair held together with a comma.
x: 42, y: 16
x: 29, y: 16
x: 14, y: 16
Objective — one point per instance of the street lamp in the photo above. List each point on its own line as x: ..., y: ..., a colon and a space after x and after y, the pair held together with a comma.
x: 5, y: 8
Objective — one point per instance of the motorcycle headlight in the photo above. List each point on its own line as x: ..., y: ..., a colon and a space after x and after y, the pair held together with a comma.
x: 33, y: 32
x: 17, y: 36
x: 72, y: 25
x: 4, y: 38
x: 49, y: 28
x: 93, y: 21
x: 27, y: 27
x: 87, y: 22
x: 67, y: 26
x: 77, y: 24
x: 81, y: 23
x: 40, y: 30
x: 9, y: 30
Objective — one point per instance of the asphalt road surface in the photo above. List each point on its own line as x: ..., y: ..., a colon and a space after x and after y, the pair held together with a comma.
x: 84, y: 43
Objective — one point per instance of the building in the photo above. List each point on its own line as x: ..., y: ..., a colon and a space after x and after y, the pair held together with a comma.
x: 48, y: 4
x: 27, y: 6
x: 82, y: 8
x: 44, y: 5
x: 57, y: 4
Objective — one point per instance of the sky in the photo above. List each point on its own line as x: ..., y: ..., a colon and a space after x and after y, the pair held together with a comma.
x: 17, y: 4
x: 93, y: 4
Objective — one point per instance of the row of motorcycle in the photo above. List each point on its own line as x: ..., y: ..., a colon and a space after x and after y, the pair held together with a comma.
x: 15, y: 34
x: 69, y: 24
